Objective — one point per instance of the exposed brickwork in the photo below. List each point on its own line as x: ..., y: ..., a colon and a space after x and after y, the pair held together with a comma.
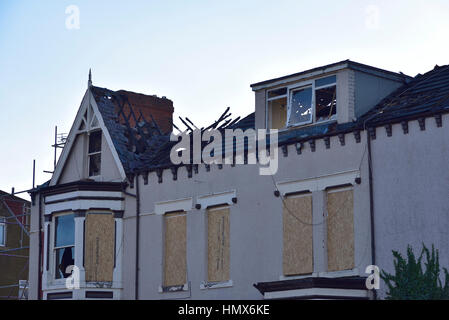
x: 160, y: 108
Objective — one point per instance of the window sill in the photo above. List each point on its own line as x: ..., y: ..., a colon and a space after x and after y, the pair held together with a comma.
x: 302, y: 276
x: 341, y: 273
x: 324, y: 274
x: 307, y: 125
x: 180, y: 288
x: 215, y: 285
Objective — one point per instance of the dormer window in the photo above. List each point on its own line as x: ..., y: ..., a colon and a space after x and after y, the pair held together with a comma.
x: 304, y: 103
x: 94, y: 154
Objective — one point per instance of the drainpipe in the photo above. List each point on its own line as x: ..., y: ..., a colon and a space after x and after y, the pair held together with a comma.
x: 137, y: 236
x: 371, y: 204
x: 39, y: 273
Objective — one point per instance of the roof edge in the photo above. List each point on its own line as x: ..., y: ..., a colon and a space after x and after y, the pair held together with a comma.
x: 329, y: 68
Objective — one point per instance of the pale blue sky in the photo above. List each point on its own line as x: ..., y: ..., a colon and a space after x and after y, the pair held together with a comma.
x: 203, y: 55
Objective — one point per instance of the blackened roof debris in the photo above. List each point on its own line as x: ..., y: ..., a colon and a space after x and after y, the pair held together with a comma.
x: 143, y: 146
x: 140, y: 143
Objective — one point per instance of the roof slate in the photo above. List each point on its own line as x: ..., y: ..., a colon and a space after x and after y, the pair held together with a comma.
x: 423, y: 95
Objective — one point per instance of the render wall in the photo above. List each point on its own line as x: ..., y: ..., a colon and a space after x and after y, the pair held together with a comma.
x: 75, y: 168
x: 370, y: 90
x: 411, y: 191
x: 33, y: 278
x: 255, y: 221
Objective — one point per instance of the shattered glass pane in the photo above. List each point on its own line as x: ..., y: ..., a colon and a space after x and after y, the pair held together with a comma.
x: 95, y: 141
x: 326, y: 103
x: 301, y: 107
x: 94, y: 164
x: 64, y: 258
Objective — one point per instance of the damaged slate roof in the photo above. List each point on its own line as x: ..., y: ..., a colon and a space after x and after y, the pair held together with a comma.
x: 143, y: 146
x: 426, y: 94
x: 134, y: 137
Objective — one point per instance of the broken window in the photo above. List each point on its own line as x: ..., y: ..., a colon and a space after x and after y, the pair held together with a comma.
x: 300, y: 111
x: 325, y: 99
x: 94, y: 153
x: 2, y: 232
x: 315, y: 102
x: 64, y: 244
x: 175, y: 250
x: 218, y: 244
x: 277, y: 108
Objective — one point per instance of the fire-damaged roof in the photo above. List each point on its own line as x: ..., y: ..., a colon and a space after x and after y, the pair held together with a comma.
x: 143, y: 143
x: 426, y: 94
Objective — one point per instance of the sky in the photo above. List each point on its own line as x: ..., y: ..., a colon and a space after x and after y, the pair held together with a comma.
x: 203, y: 55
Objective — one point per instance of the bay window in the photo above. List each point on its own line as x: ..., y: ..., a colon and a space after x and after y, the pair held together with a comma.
x: 64, y: 245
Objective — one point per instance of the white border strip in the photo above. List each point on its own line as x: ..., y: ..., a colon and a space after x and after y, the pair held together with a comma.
x: 344, y: 293
x: 216, y: 199
x: 173, y: 205
x: 316, y: 184
x: 73, y: 194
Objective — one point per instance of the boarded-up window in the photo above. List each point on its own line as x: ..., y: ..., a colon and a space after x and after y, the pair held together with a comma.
x: 99, y: 247
x: 175, y: 261
x: 298, y: 236
x: 218, y: 244
x: 340, y: 230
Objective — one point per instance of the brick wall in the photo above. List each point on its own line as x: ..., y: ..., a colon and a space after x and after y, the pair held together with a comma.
x: 160, y: 108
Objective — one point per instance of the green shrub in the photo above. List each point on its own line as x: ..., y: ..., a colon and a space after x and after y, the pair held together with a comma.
x: 410, y: 282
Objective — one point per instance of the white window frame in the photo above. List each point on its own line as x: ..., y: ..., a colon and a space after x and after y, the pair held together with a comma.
x: 3, y: 225
x: 89, y: 154
x: 290, y: 89
x: 54, y: 247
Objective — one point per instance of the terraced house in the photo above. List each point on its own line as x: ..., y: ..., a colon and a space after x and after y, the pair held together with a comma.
x: 362, y: 170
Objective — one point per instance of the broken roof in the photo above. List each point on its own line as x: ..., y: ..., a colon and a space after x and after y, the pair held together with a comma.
x: 142, y: 146
x: 139, y: 139
x: 425, y: 95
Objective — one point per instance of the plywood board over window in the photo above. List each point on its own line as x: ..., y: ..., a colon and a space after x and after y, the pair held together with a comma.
x: 99, y: 247
x: 340, y: 229
x: 298, y: 235
x: 175, y: 260
x: 218, y: 244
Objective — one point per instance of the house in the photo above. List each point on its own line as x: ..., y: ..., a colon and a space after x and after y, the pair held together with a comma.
x: 14, y: 245
x: 361, y: 153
